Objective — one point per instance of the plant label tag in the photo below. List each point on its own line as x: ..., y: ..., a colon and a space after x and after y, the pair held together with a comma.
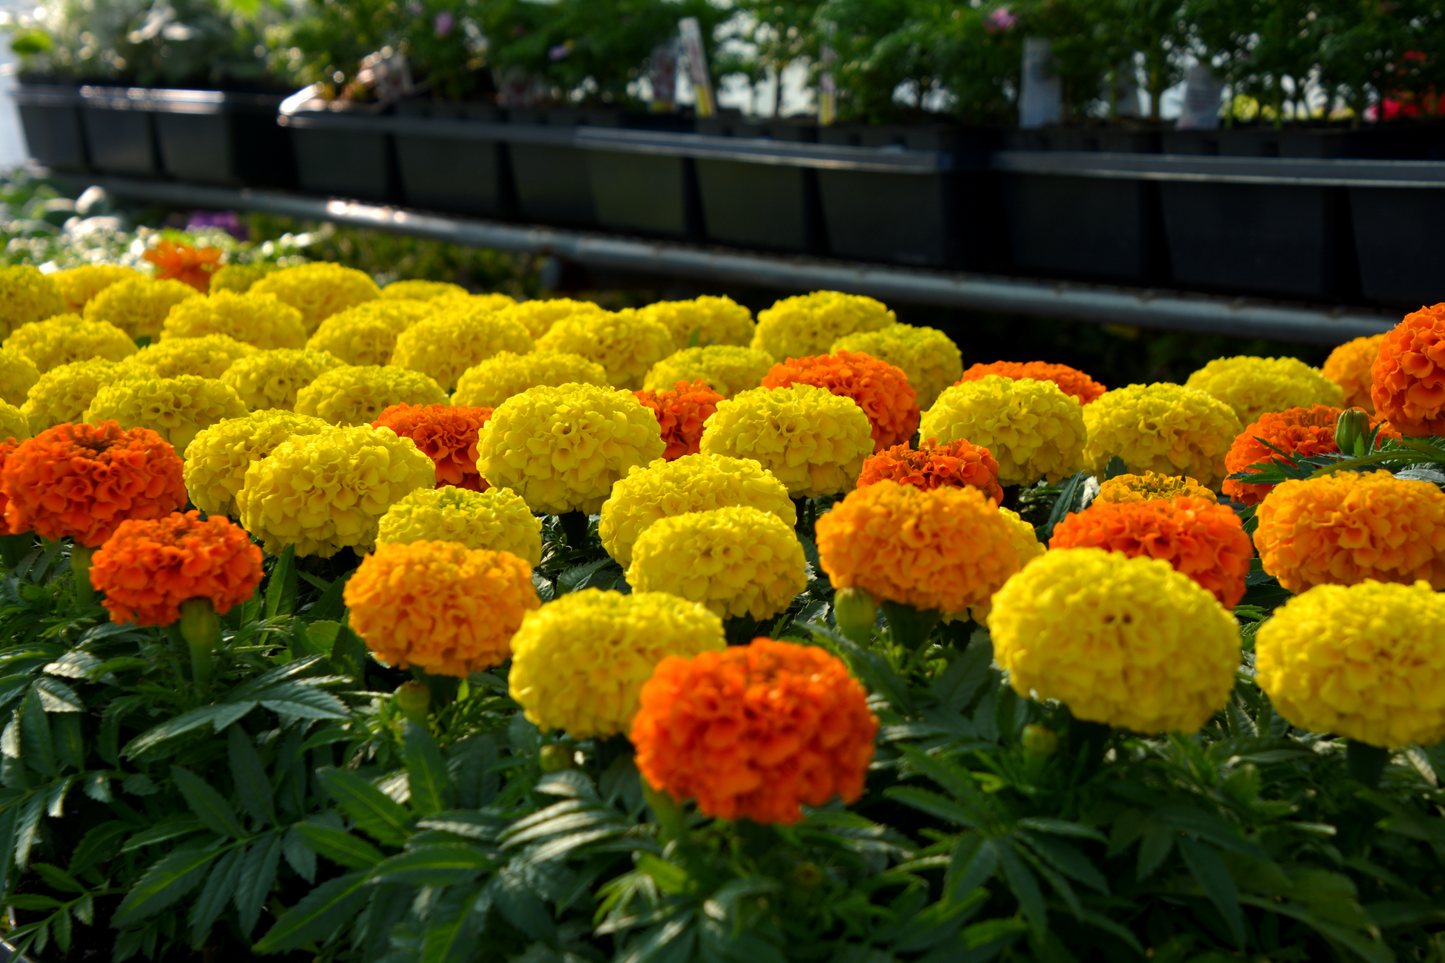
x: 1041, y: 94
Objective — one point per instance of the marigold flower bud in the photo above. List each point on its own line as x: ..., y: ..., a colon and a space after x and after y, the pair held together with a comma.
x: 856, y: 612
x: 413, y: 700
x: 1352, y: 428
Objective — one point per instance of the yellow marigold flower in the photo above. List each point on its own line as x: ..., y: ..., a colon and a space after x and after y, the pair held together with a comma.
x: 579, y: 663
x: 358, y: 394
x: 623, y: 342
x: 493, y: 302
x: 367, y: 333
x: 497, y: 519
x: 562, y: 448
x: 272, y: 379
x: 79, y: 284
x: 318, y: 290
x: 450, y: 342
x: 66, y: 338
x: 442, y: 607
x: 62, y: 394
x: 1026, y: 546
x: 259, y: 320
x: 1150, y: 485
x: 507, y: 373
x: 208, y: 356
x: 174, y: 408
x: 1032, y: 428
x: 714, y: 320
x: 1124, y: 641
x: 422, y: 290
x: 737, y: 561
x: 1253, y: 386
x: 13, y: 424
x: 726, y: 368
x: 812, y: 440
x: 928, y: 356
x: 940, y: 548
x: 1346, y: 527
x: 27, y: 295
x: 692, y: 483
x: 217, y: 458
x: 539, y: 316
x: 18, y: 375
x: 1163, y: 428
x: 1349, y: 367
x: 239, y: 278
x: 808, y: 324
x: 139, y: 305
x: 1362, y: 661
x: 327, y: 491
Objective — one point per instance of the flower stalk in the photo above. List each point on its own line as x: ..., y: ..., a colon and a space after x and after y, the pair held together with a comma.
x: 80, y: 565
x: 201, y: 628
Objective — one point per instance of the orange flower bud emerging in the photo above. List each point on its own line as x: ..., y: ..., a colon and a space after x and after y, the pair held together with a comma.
x: 680, y: 414
x: 445, y: 434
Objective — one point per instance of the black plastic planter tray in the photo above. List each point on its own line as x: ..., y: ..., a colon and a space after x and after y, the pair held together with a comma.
x: 765, y: 206
x: 50, y: 116
x: 215, y: 137
x: 119, y: 134
x: 453, y: 158
x: 341, y: 149
x: 550, y: 172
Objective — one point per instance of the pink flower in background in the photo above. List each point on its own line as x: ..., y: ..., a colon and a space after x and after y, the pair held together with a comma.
x: 443, y: 23
x: 1000, y: 20
x: 560, y: 52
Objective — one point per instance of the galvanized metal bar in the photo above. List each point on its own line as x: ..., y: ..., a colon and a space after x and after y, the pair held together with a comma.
x: 1188, y: 168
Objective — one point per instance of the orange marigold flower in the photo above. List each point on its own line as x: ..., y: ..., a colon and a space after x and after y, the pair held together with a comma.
x: 879, y: 388
x: 1071, y: 381
x: 954, y: 465
x: 80, y: 481
x: 680, y: 414
x: 445, y: 434
x: 754, y: 731
x: 6, y: 447
x: 150, y: 566
x: 440, y: 606
x: 1198, y: 536
x: 1298, y: 431
x: 1349, y: 367
x: 1346, y: 527
x: 182, y: 262
x: 1408, y: 376
x: 945, y: 548
x: 1139, y: 488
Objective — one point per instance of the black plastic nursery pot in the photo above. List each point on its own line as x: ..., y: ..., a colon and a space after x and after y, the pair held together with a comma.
x: 640, y: 185
x: 50, y: 117
x: 1399, y: 262
x: 217, y: 137
x: 342, y: 149
x: 119, y: 131
x: 453, y: 157
x: 553, y: 183
x: 759, y: 205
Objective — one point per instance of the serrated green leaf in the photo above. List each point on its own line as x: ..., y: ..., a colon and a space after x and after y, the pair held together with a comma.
x: 166, y: 881
x: 318, y: 914
x: 253, y: 786
x: 209, y: 806
x: 1024, y: 886
x: 281, y: 585
x: 258, y: 873
x: 169, y: 827
x: 339, y: 847
x: 36, y: 745
x: 1067, y: 860
x: 302, y: 858
x: 27, y: 831
x: 934, y: 804
x: 971, y: 864
x: 303, y: 701
x: 438, y: 864
x: 1213, y: 877
x: 170, y: 729
x: 98, y: 845
x: 426, y: 771
x: 375, y: 813
x: 220, y: 884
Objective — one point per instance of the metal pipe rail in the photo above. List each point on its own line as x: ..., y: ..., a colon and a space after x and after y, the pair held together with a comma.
x: 1100, y: 304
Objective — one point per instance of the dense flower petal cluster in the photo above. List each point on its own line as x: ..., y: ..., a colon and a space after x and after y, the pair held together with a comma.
x: 327, y: 491
x: 579, y: 663
x: 239, y: 278
x: 623, y: 342
x: 1349, y: 367
x: 66, y: 338
x: 507, y: 373
x: 812, y: 440
x: 958, y: 463
x: 680, y: 414
x: 79, y: 284
x: 175, y: 408
x: 1199, y: 537
x: 497, y: 519
x: 539, y: 316
x: 318, y: 290
x: 358, y: 394
x: 562, y: 448
x: 450, y: 342
x: 367, y: 333
x: 62, y: 394
x: 1122, y: 489
x: 150, y: 566
x: 440, y: 606
x: 18, y: 374
x: 1361, y: 661
x: 1343, y: 528
x: 1161, y: 428
x: 1297, y: 431
x: 1124, y: 641
x: 490, y: 302
x: 13, y: 424
x: 259, y: 320
x: 207, y: 356
x: 1252, y: 386
x: 217, y: 458
x: 941, y: 548
x: 808, y: 324
x: 928, y: 356
x: 1032, y: 428
x: 139, y: 305
x: 185, y: 263
x: 272, y: 378
x: 445, y: 434
x: 879, y: 388
x: 726, y: 368
x: 755, y: 732
x: 1407, y: 378
x: 80, y: 481
x: 692, y: 483
x: 26, y: 295
x: 737, y: 561
x: 703, y: 321
x: 1071, y: 381
x: 7, y: 445
x: 421, y: 290
x: 1026, y: 546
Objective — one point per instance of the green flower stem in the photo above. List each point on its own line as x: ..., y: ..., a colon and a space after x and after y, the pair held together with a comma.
x: 1417, y: 451
x: 1366, y: 762
x: 443, y: 687
x: 80, y: 566
x: 14, y: 548
x: 910, y: 626
x: 574, y: 528
x: 201, y: 628
x: 669, y: 814
x: 413, y: 701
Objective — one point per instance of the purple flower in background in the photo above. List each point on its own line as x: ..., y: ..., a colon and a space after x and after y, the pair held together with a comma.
x: 228, y: 221
x: 443, y: 23
x: 1000, y: 20
x: 560, y: 52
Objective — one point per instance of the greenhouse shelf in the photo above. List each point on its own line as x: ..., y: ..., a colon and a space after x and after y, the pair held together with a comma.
x: 1101, y: 304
